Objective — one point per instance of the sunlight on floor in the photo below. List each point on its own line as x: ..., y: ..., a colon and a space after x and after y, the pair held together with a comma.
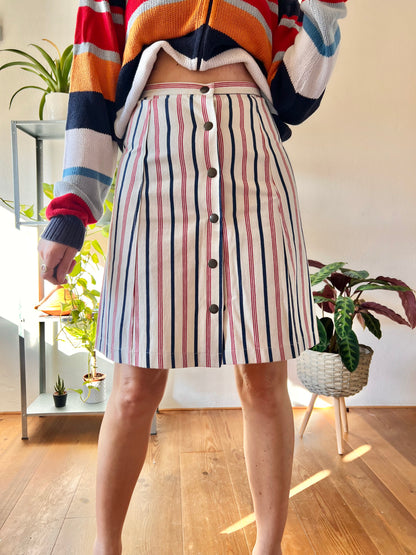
x: 359, y: 452
x: 297, y: 489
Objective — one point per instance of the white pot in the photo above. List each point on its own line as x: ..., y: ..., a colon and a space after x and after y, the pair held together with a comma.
x: 56, y: 106
x: 94, y: 391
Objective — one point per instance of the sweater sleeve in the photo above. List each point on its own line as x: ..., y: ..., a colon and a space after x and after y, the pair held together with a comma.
x: 90, y: 143
x: 305, y: 48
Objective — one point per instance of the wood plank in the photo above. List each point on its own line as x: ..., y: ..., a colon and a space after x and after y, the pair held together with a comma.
x: 200, y: 432
x: 154, y: 519
x: 76, y: 537
x: 330, y: 524
x: 378, y: 510
x: 395, y: 428
x: 209, y: 506
x: 393, y: 470
x: 19, y: 459
x: 232, y: 444
x: 48, y: 494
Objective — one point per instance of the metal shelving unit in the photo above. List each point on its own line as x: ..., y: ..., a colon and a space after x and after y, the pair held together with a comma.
x: 43, y: 405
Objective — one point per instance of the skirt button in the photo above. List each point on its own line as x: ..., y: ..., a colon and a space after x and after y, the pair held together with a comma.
x: 208, y: 125
x: 204, y: 89
x: 212, y: 263
x: 212, y: 172
x: 213, y: 218
x: 214, y: 308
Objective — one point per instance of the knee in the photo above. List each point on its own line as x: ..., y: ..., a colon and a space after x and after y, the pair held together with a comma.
x: 262, y: 386
x: 136, y: 396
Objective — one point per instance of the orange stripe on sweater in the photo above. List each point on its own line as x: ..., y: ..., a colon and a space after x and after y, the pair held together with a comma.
x: 246, y: 31
x: 90, y: 73
x: 144, y: 31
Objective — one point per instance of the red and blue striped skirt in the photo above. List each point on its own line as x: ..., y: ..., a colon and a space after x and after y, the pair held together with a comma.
x: 206, y: 263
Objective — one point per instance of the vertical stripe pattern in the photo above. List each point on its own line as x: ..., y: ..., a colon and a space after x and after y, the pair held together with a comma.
x: 207, y: 263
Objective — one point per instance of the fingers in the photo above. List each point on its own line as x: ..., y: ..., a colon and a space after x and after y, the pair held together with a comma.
x: 56, y: 261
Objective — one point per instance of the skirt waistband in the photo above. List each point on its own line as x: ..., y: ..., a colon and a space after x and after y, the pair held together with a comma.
x: 221, y: 87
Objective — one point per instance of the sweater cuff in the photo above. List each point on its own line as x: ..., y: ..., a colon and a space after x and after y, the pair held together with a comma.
x: 67, y: 230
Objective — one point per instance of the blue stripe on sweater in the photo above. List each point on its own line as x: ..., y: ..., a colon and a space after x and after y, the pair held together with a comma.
x: 87, y: 172
x: 326, y: 50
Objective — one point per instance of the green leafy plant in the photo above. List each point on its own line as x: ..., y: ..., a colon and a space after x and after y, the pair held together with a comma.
x: 54, y: 72
x: 60, y: 386
x: 342, y: 298
x: 80, y: 327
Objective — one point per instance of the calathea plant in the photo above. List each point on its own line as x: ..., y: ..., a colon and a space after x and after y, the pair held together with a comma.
x: 342, y: 297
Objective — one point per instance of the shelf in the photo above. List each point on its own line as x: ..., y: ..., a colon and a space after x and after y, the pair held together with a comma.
x: 43, y: 130
x: 44, y: 405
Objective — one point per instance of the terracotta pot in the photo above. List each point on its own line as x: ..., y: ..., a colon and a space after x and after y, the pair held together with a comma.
x: 96, y: 393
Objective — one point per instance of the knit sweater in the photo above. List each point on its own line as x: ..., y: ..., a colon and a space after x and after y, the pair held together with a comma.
x: 288, y: 48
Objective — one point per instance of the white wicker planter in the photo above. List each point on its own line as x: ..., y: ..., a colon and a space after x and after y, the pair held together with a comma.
x: 324, y: 373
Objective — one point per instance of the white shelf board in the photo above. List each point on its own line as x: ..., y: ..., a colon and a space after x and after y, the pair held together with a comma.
x: 44, y: 405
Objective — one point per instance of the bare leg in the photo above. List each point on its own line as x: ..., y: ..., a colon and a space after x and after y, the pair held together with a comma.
x: 122, y: 446
x: 268, y: 445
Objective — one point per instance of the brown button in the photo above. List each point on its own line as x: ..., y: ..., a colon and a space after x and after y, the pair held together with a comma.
x: 213, y: 218
x: 204, y: 89
x: 212, y: 172
x: 214, y: 308
x: 212, y: 263
x: 208, y: 125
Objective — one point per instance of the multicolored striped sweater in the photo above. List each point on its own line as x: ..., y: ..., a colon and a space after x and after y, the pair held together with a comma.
x: 289, y: 49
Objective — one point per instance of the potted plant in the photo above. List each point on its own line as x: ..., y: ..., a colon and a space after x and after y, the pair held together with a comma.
x: 80, y: 326
x: 60, y: 393
x: 54, y: 73
x: 338, y: 365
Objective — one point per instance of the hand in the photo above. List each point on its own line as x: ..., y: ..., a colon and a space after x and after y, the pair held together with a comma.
x: 57, y: 260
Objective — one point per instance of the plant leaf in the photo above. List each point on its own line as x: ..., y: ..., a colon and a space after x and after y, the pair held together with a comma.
x: 385, y: 287
x: 325, y: 272
x: 344, y: 311
x: 22, y: 89
x: 384, y: 311
x: 323, y: 338
x: 372, y: 324
x: 349, y: 350
x: 354, y: 274
x: 408, y: 299
x: 339, y: 281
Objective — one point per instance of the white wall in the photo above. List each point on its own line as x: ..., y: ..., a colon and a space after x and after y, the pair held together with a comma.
x: 354, y: 166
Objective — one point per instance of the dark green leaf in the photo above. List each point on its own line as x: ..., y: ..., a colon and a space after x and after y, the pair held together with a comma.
x: 325, y: 272
x: 385, y: 287
x: 349, y: 350
x: 344, y: 310
x: 323, y: 339
x: 354, y: 274
x: 372, y: 324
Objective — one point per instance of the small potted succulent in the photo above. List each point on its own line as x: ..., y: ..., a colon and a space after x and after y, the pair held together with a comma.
x: 60, y: 393
x: 338, y: 365
x: 53, y: 72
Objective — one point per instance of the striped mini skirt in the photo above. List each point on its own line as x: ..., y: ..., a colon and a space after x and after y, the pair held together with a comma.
x: 206, y: 262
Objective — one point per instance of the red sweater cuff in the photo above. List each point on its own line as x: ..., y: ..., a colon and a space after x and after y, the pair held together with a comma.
x: 70, y: 205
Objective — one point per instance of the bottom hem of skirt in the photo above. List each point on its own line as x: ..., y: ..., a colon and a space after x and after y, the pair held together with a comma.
x: 200, y: 360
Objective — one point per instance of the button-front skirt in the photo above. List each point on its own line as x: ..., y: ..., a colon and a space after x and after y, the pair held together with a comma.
x: 206, y: 263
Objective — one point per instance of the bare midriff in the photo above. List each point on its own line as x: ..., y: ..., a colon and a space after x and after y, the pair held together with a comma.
x: 167, y: 70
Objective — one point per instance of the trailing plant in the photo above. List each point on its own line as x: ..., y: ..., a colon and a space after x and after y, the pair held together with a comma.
x: 54, y: 72
x: 342, y: 298
x: 80, y: 327
x: 60, y: 386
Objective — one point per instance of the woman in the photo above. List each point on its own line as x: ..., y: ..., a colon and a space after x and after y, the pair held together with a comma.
x: 206, y: 262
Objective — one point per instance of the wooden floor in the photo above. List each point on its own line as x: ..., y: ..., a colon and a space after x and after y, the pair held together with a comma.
x: 193, y: 497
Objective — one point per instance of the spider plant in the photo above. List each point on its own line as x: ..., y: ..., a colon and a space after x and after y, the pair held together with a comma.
x: 54, y: 72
